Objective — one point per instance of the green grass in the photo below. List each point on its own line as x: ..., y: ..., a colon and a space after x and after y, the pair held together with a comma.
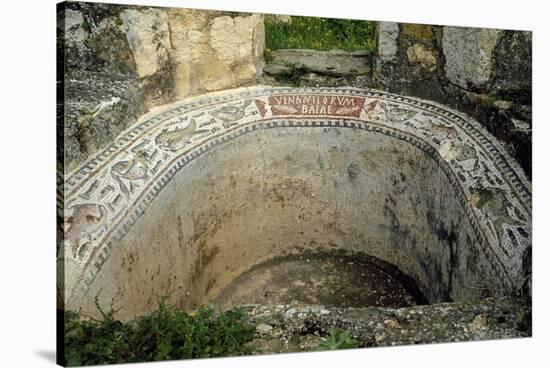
x: 167, y: 333
x: 320, y: 34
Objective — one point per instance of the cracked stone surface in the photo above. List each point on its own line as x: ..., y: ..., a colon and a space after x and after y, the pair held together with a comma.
x: 469, y: 55
x: 143, y: 57
x: 304, y: 328
x: 336, y: 63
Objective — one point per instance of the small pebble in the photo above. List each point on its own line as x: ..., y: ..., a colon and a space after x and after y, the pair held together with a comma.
x: 264, y: 328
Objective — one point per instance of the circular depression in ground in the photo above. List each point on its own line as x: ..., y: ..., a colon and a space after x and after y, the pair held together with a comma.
x: 331, y: 279
x: 275, y: 191
x: 202, y: 193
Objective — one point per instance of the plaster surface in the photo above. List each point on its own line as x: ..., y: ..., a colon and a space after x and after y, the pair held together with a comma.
x: 197, y: 192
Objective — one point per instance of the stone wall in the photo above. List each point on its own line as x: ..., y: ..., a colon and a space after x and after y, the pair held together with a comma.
x: 485, y: 73
x: 116, y: 62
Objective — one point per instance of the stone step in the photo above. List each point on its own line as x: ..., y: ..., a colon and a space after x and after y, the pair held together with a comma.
x: 334, y: 62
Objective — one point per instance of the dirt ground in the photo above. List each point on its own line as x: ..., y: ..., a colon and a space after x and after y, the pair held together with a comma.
x: 328, y: 279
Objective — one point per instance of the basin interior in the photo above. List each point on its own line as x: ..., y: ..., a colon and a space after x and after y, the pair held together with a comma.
x: 283, y: 191
x: 328, y: 278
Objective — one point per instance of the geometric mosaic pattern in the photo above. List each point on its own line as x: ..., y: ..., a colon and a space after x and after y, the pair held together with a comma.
x: 106, y: 195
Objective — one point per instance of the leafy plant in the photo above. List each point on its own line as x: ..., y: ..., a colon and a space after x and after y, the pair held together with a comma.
x: 338, y: 339
x: 86, y: 25
x: 167, y: 333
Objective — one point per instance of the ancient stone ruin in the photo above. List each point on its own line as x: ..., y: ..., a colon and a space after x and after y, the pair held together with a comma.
x: 322, y: 192
x: 198, y: 192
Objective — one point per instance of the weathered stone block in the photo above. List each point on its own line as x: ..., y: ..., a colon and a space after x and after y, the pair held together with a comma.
x: 469, y: 55
x: 419, y: 54
x: 513, y: 68
x: 386, y: 38
x: 145, y: 57
x: 418, y: 31
x: 75, y: 28
x: 110, y: 45
x: 338, y: 63
x: 212, y: 51
x: 149, y: 38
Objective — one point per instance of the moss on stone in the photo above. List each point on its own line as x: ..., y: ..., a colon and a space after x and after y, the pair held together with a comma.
x: 485, y: 196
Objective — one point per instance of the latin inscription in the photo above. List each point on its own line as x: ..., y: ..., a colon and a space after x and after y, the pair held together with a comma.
x: 316, y: 105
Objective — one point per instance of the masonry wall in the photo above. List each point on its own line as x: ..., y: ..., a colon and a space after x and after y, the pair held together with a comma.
x: 485, y: 73
x: 117, y: 61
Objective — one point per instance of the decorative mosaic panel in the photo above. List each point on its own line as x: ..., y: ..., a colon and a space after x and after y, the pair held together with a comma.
x: 108, y: 193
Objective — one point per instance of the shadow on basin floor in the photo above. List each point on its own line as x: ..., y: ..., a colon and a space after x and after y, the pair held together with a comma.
x: 325, y: 278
